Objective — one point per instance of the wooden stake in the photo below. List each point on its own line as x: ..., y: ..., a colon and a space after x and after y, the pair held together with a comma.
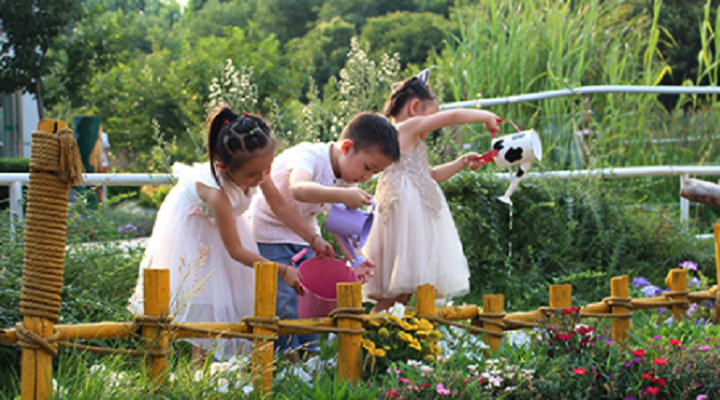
x: 717, y: 255
x: 492, y: 303
x: 701, y: 192
x: 265, y: 297
x: 36, y: 364
x: 426, y: 300
x: 157, y: 303
x: 620, y: 288
x: 677, y: 282
x: 349, y: 344
x: 560, y: 297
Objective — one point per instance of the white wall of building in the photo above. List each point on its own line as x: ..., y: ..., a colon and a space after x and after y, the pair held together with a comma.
x: 28, y: 121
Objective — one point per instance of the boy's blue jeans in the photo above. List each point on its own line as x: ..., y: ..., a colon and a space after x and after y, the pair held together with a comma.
x: 286, y: 296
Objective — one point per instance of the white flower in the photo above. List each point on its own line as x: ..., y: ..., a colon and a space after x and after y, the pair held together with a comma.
x: 472, y: 368
x: 97, y: 368
x: 247, y: 389
x: 297, y: 371
x: 517, y: 338
x: 172, y: 378
x: 198, y: 376
x: 397, y: 310
x: 496, y: 381
x: 414, y: 363
x: 218, y: 367
x: 223, y: 385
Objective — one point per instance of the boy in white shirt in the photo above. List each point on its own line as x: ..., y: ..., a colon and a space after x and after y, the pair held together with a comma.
x: 312, y: 177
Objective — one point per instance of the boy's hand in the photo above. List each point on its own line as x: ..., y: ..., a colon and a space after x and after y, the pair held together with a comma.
x: 365, y: 271
x: 321, y: 247
x: 292, y: 278
x: 356, y: 198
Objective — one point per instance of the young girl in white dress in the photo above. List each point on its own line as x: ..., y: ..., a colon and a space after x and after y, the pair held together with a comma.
x: 201, y: 236
x: 414, y: 240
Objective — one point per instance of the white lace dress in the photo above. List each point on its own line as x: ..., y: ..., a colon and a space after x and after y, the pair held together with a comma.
x: 414, y: 240
x: 206, y: 284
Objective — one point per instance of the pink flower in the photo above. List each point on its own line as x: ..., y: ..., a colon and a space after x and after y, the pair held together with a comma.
x: 701, y: 397
x: 704, y: 348
x: 675, y: 342
x: 653, y: 390
x: 579, y: 371
x: 639, y: 353
x: 441, y: 389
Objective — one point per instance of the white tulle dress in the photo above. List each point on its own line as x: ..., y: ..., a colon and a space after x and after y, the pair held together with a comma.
x: 206, y: 284
x: 414, y: 240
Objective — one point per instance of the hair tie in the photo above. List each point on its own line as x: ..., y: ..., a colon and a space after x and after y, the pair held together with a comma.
x: 227, y: 121
x: 246, y: 114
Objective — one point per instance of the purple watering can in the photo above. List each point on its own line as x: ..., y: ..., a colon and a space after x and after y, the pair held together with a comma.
x: 352, y: 227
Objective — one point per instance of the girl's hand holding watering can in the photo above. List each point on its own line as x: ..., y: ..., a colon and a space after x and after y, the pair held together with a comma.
x: 365, y: 271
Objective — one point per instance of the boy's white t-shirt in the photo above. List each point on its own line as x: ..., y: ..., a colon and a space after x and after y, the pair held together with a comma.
x: 313, y: 158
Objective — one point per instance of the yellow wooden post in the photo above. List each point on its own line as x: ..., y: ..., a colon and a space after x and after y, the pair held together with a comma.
x: 45, y: 253
x: 349, y: 344
x: 560, y: 298
x: 493, y: 303
x: 426, y: 300
x: 717, y: 255
x: 620, y: 288
x: 156, y: 303
x: 265, y: 298
x: 677, y: 282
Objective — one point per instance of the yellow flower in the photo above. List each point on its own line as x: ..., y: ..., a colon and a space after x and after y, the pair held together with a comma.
x: 373, y: 322
x: 369, y: 345
x: 429, y: 359
x: 437, y: 350
x: 380, y: 353
x: 405, y: 336
x: 414, y: 344
x: 425, y: 325
x: 383, y: 333
x: 436, y: 335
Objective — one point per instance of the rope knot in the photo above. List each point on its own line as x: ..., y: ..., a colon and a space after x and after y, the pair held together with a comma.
x: 31, y: 340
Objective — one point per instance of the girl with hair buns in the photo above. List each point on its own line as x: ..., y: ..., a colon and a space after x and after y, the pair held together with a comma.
x: 201, y: 219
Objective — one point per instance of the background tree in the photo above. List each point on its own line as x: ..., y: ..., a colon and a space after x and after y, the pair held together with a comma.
x: 412, y: 35
x: 358, y: 11
x: 29, y: 28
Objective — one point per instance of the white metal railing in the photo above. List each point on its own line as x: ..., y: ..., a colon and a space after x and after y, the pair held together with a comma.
x: 580, y: 91
x: 16, y: 181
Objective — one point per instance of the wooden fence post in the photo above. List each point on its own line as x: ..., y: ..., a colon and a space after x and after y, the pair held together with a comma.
x: 349, y: 295
x: 717, y: 255
x: 677, y: 282
x: 54, y: 166
x: 560, y: 297
x: 157, y: 304
x: 265, y: 298
x: 620, y: 288
x: 493, y: 303
x: 426, y: 300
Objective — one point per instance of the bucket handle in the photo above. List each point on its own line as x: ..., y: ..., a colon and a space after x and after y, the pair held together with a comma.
x: 300, y: 254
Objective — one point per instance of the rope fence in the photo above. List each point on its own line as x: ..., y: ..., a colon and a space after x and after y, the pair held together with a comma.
x: 55, y: 167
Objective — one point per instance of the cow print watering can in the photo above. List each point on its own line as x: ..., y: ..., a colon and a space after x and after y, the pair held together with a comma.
x: 517, y: 149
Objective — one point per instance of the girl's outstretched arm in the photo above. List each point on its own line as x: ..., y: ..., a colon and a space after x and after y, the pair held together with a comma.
x: 292, y: 219
x: 220, y: 205
x: 428, y: 123
x: 443, y: 172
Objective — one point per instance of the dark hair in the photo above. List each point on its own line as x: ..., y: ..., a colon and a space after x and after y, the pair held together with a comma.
x: 371, y: 131
x: 234, y: 139
x: 411, y: 88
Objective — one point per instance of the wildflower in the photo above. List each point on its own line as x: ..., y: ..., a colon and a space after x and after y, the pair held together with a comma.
x: 639, y: 353
x: 406, y: 381
x: 701, y: 397
x: 628, y: 364
x: 414, y: 363
x: 662, y: 310
x: 440, y: 388
x: 693, y: 307
x: 675, y: 342
x: 429, y: 359
x: 610, y: 342
x: 704, y: 348
x: 653, y: 390
x: 657, y: 337
x: 695, y: 282
x: 392, y: 393
x: 563, y: 337
x: 660, y: 361
x: 383, y: 333
x: 647, y: 376
x: 397, y: 310
x: 640, y: 282
x: 670, y: 320
x: 710, y: 304
x: 689, y: 265
x: 579, y: 371
x: 661, y: 382
x: 651, y: 290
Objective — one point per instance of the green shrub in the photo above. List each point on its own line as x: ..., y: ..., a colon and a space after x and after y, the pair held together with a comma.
x: 581, y: 232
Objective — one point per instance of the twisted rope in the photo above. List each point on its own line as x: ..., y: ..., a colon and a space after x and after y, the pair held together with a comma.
x: 621, y: 302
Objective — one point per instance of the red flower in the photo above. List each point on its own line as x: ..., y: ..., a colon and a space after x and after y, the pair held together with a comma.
x: 653, y: 390
x: 660, y: 361
x: 566, y: 311
x: 563, y: 337
x: 392, y: 393
x: 675, y: 342
x: 662, y: 382
x: 579, y: 371
x: 639, y: 353
x: 647, y: 375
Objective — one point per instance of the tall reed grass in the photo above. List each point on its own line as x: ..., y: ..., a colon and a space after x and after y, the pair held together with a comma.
x: 508, y: 47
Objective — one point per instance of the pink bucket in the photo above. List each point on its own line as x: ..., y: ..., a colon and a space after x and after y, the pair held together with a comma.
x: 319, y: 279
